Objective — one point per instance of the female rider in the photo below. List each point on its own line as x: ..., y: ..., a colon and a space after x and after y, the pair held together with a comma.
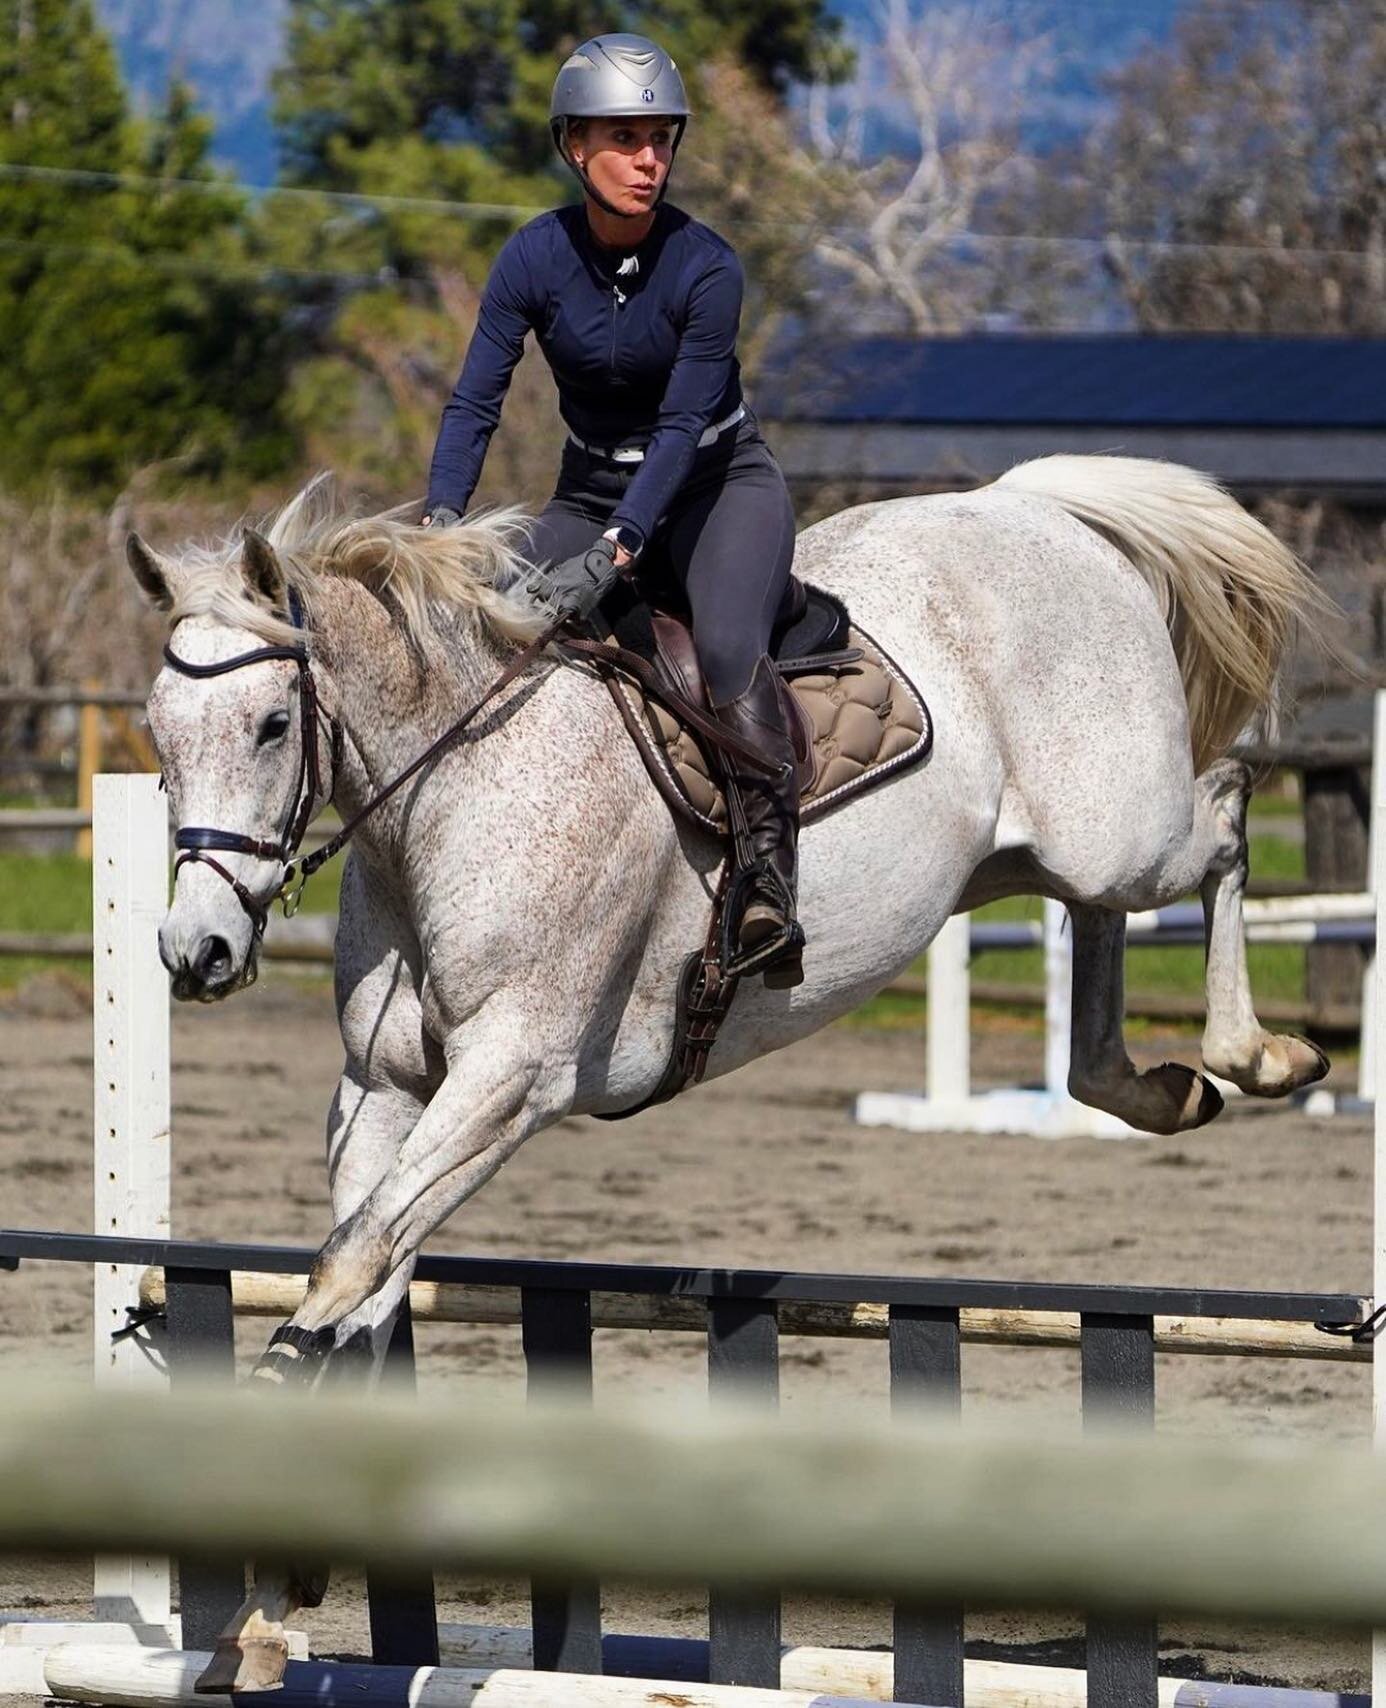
x: 636, y: 307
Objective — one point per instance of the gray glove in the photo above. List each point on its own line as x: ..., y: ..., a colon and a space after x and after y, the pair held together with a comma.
x: 442, y: 516
x: 575, y: 587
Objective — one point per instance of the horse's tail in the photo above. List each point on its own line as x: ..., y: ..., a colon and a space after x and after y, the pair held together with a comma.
x: 1232, y: 594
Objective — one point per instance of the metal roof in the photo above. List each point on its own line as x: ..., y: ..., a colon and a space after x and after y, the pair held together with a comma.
x: 1092, y: 380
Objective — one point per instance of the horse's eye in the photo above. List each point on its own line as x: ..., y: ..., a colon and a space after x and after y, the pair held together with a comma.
x: 274, y: 728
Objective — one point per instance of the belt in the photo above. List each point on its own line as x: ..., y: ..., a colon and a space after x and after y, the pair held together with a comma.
x: 636, y: 453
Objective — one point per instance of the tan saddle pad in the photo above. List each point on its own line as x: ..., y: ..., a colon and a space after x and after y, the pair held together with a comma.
x: 866, y: 719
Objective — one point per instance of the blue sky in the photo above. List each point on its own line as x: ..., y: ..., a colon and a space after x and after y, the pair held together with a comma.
x: 229, y: 64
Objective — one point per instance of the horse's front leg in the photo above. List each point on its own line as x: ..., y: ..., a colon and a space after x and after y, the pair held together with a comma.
x: 494, y: 1095
x: 490, y: 1102
x: 367, y: 1126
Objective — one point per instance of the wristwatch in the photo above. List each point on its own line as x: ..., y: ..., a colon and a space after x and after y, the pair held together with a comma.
x: 629, y: 539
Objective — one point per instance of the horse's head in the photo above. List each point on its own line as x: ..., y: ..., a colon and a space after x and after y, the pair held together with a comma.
x: 245, y: 746
x: 250, y: 724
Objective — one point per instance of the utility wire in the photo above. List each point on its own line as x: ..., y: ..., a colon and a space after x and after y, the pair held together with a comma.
x: 493, y: 210
x: 20, y: 170
x: 172, y: 261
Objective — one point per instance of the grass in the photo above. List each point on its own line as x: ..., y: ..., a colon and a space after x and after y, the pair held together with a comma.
x: 1277, y: 969
x: 52, y: 892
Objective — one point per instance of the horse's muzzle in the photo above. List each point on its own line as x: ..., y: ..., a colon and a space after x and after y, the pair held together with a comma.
x: 207, y: 974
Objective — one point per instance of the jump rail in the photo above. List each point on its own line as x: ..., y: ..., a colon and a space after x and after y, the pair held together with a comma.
x: 742, y: 1315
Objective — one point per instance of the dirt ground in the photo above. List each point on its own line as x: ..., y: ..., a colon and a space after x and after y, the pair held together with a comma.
x: 763, y: 1169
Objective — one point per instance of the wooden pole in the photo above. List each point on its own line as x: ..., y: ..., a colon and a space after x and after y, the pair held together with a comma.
x: 130, y: 1678
x: 1113, y: 1524
x: 460, y: 1302
x: 131, y: 1117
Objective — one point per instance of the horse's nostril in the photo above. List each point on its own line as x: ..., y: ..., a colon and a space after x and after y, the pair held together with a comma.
x: 212, y: 963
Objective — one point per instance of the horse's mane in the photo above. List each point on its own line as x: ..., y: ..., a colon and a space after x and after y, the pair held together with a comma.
x: 469, y: 569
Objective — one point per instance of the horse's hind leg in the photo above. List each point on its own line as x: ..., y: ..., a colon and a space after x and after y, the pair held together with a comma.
x: 1236, y: 1046
x: 1170, y: 1098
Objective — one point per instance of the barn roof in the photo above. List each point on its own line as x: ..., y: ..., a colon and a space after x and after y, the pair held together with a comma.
x: 1263, y: 414
x: 1089, y: 380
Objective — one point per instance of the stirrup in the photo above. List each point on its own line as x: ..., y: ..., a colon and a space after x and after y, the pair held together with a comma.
x: 779, y: 956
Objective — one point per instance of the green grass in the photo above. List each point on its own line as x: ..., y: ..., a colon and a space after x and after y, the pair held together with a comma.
x: 1277, y: 969
x: 53, y: 893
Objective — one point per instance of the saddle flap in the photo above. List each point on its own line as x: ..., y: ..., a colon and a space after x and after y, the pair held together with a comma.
x: 676, y: 658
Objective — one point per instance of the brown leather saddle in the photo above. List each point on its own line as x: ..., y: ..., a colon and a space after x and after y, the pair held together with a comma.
x: 858, y: 719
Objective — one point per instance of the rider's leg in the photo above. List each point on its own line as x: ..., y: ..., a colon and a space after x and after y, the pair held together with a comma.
x: 731, y: 543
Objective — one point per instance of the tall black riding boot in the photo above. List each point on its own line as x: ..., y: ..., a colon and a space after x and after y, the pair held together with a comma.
x: 763, y: 932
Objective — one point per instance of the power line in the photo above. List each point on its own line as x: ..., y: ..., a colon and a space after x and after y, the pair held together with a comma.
x: 222, y: 186
x: 984, y: 239
x: 172, y: 261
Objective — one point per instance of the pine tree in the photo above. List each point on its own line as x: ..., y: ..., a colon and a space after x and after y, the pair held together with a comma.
x: 133, y: 327
x: 446, y: 101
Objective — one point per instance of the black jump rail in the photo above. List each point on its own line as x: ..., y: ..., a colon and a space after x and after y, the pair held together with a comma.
x: 924, y: 1341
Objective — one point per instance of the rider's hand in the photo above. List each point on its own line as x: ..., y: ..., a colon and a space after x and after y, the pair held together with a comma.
x: 575, y: 587
x: 441, y: 516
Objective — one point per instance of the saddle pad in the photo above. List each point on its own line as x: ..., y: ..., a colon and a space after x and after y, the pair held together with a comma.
x: 868, y: 720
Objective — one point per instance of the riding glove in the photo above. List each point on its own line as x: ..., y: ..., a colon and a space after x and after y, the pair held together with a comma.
x: 575, y: 587
x: 442, y: 516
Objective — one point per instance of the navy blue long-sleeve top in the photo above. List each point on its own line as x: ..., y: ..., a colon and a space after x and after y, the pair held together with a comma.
x: 648, y: 356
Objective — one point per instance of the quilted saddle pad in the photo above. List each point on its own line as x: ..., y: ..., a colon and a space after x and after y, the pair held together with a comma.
x: 867, y: 718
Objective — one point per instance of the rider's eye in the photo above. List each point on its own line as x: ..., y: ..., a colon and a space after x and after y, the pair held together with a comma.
x: 274, y: 728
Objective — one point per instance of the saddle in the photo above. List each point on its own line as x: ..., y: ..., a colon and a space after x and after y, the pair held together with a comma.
x: 857, y: 719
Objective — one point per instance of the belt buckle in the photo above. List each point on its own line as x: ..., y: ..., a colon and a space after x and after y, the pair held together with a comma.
x: 628, y: 454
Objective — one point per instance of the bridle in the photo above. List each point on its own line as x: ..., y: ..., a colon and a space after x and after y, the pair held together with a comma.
x: 196, y: 844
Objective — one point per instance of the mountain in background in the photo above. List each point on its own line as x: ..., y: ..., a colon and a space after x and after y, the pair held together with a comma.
x: 227, y: 51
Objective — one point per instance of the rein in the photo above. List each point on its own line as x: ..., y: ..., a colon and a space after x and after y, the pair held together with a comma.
x: 197, y: 843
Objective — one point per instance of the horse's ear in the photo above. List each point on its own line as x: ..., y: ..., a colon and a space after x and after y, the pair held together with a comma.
x: 261, y: 568
x: 151, y: 571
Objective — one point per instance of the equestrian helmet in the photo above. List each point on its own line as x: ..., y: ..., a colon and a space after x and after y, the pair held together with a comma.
x: 611, y: 77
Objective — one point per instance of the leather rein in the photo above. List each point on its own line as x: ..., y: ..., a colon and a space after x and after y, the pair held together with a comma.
x: 198, y: 844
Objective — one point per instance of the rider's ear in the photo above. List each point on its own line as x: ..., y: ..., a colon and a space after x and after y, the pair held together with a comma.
x: 260, y: 566
x: 151, y: 571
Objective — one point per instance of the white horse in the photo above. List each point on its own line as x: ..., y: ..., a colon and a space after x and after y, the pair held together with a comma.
x: 1091, y: 634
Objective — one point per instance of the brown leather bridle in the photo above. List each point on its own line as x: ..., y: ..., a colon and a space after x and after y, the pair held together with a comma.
x: 197, y: 844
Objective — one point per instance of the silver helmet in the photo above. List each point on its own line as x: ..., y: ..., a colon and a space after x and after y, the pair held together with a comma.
x: 612, y: 77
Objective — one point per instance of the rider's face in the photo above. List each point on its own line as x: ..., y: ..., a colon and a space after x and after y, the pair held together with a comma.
x: 627, y: 159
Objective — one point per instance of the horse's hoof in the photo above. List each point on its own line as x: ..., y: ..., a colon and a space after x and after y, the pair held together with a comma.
x: 1280, y: 1064
x: 1168, y: 1099
x: 1187, y: 1099
x: 244, y: 1664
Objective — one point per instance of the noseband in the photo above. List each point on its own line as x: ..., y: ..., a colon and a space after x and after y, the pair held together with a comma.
x: 196, y: 843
